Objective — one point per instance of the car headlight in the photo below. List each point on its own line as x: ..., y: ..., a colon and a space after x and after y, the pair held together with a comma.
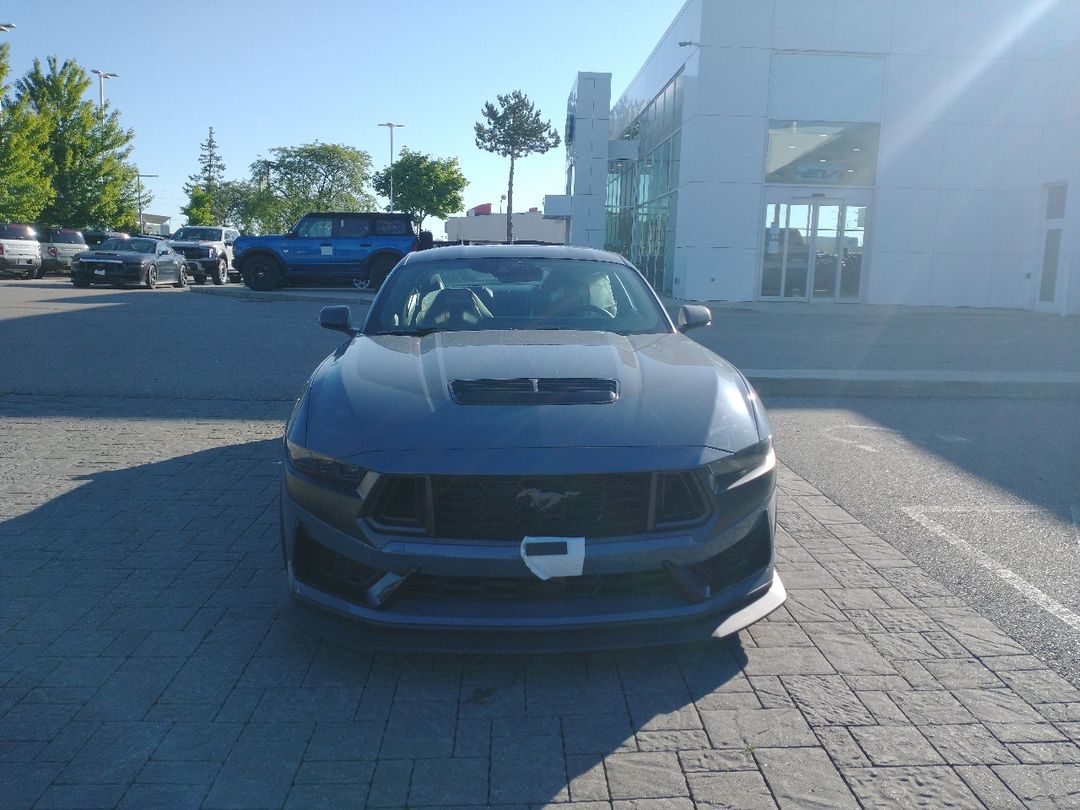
x: 213, y: 253
x: 325, y: 468
x: 739, y: 468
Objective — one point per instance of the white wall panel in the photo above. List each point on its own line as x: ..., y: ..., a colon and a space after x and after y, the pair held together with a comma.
x: 737, y: 22
x: 924, y: 27
x: 1020, y: 163
x: 975, y: 91
x: 718, y: 274
x: 724, y: 150
x: 960, y: 281
x: 735, y: 81
x: 910, y: 154
x: 904, y: 219
x: 1009, y: 284
x: 965, y: 222
x: 805, y: 25
x: 917, y: 88
x: 863, y: 26
x: 1025, y: 97
x: 1016, y: 228
x: 720, y: 215
x: 973, y: 157
x: 900, y: 278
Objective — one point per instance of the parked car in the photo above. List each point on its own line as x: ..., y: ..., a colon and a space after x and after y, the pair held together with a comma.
x: 327, y: 248
x: 520, y: 438
x: 135, y: 260
x: 58, y: 247
x: 209, y: 251
x: 20, y: 251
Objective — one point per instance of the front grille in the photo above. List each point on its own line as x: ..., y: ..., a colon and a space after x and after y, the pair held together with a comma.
x: 535, y: 391
x: 510, y: 507
x: 192, y: 252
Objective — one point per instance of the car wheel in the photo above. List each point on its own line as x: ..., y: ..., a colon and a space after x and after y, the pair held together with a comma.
x: 378, y: 269
x: 181, y: 277
x: 40, y: 272
x: 151, y: 277
x: 262, y: 273
x: 222, y: 274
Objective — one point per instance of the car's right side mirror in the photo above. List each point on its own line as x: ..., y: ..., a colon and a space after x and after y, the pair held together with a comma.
x: 338, y: 318
x: 691, y: 316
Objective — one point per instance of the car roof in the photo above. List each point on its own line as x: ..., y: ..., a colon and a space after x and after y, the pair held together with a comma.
x: 515, y: 251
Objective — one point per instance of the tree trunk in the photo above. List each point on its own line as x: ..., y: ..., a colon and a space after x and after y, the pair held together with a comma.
x: 510, y: 205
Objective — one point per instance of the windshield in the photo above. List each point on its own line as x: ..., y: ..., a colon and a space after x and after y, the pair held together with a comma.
x: 134, y: 245
x: 491, y: 293
x: 198, y: 235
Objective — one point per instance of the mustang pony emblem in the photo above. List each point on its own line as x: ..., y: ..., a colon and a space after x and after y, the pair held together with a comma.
x: 539, y: 500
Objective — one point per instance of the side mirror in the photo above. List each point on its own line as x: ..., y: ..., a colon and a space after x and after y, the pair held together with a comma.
x: 338, y: 318
x: 291, y: 235
x: 691, y: 316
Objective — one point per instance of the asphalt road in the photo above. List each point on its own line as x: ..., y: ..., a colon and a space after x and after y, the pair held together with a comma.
x: 984, y: 494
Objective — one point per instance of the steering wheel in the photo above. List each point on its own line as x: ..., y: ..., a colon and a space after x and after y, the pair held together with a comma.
x: 590, y: 309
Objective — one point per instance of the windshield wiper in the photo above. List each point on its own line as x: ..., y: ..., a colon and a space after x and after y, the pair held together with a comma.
x: 411, y: 332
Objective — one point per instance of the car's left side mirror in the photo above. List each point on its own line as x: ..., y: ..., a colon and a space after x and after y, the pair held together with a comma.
x: 338, y: 318
x: 691, y: 316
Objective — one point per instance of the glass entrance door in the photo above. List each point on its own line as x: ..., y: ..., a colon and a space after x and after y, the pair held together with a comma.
x: 813, y: 249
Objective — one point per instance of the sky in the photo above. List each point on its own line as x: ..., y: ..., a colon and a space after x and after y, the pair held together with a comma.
x: 268, y: 73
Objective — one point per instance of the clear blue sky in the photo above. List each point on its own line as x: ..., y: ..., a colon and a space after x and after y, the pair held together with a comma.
x: 271, y: 73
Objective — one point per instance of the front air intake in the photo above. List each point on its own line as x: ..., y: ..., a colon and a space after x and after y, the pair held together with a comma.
x: 535, y: 391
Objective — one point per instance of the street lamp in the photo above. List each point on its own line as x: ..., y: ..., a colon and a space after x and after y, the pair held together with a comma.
x: 6, y: 26
x: 102, y: 76
x: 138, y: 185
x: 392, y: 127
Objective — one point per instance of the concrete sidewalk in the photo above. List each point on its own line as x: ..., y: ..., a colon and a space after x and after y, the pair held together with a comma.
x: 149, y: 658
x: 838, y: 350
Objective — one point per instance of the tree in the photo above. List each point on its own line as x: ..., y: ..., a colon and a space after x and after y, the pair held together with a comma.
x: 311, y: 177
x: 204, y: 188
x: 25, y: 189
x: 200, y: 207
x: 515, y: 130
x: 86, y: 150
x: 423, y: 186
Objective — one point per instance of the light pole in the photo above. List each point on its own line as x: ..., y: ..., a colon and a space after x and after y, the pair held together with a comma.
x: 138, y: 185
x: 6, y: 26
x: 392, y: 128
x: 102, y: 76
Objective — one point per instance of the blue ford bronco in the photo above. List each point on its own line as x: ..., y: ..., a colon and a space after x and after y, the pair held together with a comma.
x: 357, y: 249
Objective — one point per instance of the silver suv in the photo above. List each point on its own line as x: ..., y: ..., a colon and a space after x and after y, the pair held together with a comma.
x: 58, y: 245
x: 208, y: 250
x: 20, y: 251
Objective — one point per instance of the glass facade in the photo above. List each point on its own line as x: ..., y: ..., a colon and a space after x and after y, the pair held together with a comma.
x: 821, y: 153
x: 641, y: 196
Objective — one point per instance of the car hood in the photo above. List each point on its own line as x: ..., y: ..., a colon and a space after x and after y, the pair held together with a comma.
x: 194, y: 243
x: 392, y: 394
x: 113, y: 255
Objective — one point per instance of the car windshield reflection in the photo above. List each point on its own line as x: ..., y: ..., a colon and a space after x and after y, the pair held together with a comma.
x: 516, y: 293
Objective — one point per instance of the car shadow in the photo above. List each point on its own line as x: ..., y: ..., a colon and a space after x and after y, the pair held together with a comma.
x: 152, y: 597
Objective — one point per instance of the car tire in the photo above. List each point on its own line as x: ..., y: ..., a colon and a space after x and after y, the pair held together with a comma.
x: 262, y: 273
x: 151, y: 277
x: 222, y: 274
x: 40, y: 272
x: 181, y: 277
x: 378, y: 269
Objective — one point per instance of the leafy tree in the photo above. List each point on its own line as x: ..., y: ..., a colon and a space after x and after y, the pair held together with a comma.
x: 24, y: 182
x: 204, y: 188
x: 86, y: 149
x: 423, y: 186
x: 515, y: 130
x: 200, y: 207
x: 311, y: 177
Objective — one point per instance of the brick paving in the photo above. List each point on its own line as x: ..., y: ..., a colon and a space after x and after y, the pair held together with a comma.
x: 148, y: 659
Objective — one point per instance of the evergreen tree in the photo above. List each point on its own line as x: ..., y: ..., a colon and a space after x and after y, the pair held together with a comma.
x: 515, y: 130
x: 206, y: 184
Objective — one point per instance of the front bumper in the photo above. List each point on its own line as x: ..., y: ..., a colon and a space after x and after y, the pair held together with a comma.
x: 625, y: 582
x: 112, y: 274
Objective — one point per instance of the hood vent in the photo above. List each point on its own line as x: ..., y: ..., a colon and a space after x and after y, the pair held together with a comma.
x: 535, y: 391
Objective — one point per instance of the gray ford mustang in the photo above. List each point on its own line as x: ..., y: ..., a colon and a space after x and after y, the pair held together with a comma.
x: 520, y: 438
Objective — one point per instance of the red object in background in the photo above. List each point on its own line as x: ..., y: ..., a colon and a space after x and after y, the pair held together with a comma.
x: 480, y: 209
x: 533, y: 210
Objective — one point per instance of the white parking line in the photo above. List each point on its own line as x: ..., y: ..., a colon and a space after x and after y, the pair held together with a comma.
x: 993, y: 566
x: 1075, y: 509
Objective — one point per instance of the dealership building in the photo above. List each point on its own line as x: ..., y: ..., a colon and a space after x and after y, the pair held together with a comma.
x: 921, y: 152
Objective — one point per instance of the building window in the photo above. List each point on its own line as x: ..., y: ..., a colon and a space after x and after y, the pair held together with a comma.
x: 821, y: 153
